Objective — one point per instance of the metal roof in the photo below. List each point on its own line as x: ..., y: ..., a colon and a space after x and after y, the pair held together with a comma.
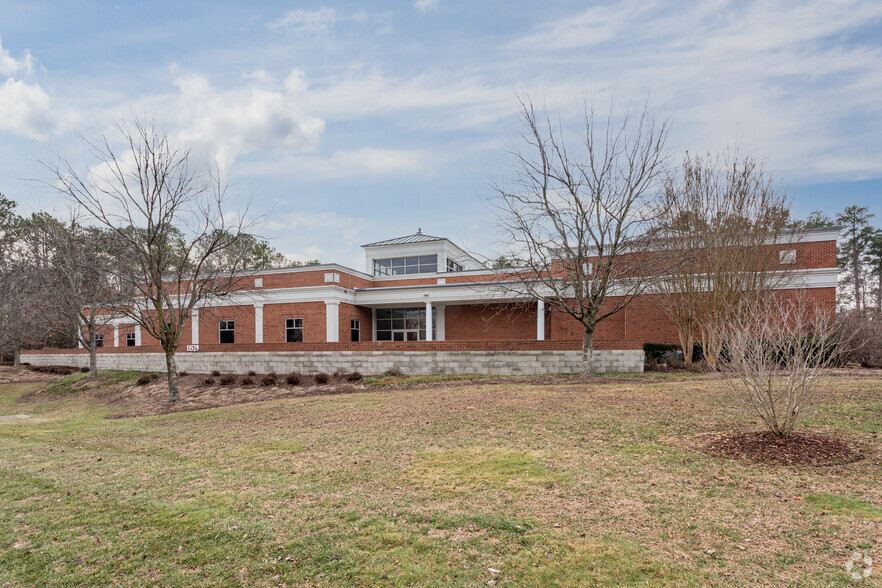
x: 417, y: 237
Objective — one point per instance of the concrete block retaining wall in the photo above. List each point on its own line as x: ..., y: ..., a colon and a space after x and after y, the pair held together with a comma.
x: 366, y: 362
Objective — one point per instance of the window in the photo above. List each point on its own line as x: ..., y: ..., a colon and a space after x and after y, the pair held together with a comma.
x: 332, y: 278
x: 403, y: 324
x: 99, y: 340
x: 453, y: 266
x: 294, y: 330
x: 227, y: 331
x: 130, y: 339
x: 355, y: 329
x: 399, y: 266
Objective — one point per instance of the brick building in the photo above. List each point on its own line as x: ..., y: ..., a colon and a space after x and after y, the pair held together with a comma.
x: 419, y: 294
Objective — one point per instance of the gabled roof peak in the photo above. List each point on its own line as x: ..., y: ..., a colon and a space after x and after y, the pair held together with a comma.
x: 417, y: 237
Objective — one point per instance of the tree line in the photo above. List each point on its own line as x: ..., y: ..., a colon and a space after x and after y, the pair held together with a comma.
x: 149, y: 237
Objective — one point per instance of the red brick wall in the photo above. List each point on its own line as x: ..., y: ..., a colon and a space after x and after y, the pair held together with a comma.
x: 209, y: 328
x: 348, y: 312
x: 312, y: 313
x: 491, y: 322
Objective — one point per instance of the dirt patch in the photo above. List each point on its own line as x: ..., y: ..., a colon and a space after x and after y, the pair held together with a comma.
x: 811, y: 449
x: 153, y: 398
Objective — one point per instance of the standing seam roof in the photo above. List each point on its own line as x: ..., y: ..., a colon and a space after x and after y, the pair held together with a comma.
x: 415, y: 238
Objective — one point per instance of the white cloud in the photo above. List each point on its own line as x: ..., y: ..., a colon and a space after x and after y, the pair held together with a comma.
x: 26, y: 110
x: 364, y: 162
x: 10, y: 66
x: 792, y: 81
x: 262, y: 115
x: 425, y: 5
x: 306, y: 20
x: 326, y: 236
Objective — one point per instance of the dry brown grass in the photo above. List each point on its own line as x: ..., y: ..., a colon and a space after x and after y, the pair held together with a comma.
x: 549, y: 480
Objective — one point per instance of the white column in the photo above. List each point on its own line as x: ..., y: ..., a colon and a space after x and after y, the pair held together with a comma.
x: 194, y: 326
x: 439, y: 328
x: 258, y: 323
x: 137, y: 335
x: 540, y: 320
x: 428, y: 321
x: 115, y: 335
x: 80, y: 337
x: 332, y: 322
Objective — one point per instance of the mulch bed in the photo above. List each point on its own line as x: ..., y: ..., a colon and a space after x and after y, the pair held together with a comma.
x: 811, y: 449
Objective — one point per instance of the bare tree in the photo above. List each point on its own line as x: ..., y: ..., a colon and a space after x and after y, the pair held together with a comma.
x: 81, y: 286
x: 777, y: 355
x: 168, y: 224
x: 576, y: 216
x: 720, y: 220
x: 24, y: 319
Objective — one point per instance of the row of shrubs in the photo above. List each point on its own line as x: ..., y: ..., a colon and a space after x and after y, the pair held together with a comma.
x: 273, y: 379
x: 61, y: 370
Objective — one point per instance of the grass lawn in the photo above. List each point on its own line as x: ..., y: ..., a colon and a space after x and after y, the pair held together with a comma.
x: 492, y: 482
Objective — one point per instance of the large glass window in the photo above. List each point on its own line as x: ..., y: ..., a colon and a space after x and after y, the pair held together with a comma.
x: 294, y: 330
x: 403, y: 324
x: 400, y: 266
x: 227, y: 332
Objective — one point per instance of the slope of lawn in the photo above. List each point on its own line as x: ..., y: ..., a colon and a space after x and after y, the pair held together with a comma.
x: 502, y: 482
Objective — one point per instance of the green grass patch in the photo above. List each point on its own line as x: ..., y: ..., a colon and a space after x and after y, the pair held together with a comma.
x: 837, y: 504
x: 463, y: 470
x: 66, y: 384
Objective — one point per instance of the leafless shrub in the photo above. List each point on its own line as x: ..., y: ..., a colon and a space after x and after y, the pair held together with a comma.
x: 147, y: 379
x: 269, y: 379
x: 862, y: 339
x: 321, y: 378
x: 355, y: 377
x: 775, y: 358
x: 293, y: 379
x: 227, y: 379
x: 208, y: 382
x: 215, y: 373
x: 247, y: 381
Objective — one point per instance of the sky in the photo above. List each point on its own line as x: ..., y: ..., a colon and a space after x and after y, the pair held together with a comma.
x: 352, y: 122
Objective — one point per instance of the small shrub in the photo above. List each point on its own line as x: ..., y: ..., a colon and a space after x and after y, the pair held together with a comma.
x: 182, y: 374
x: 146, y: 379
x: 252, y: 373
x: 269, y: 379
x: 392, y: 372
x: 208, y: 382
x: 227, y: 379
x: 355, y: 377
x: 215, y: 373
x: 293, y: 379
x: 247, y: 381
x: 321, y: 378
x: 85, y: 369
x: 338, y: 374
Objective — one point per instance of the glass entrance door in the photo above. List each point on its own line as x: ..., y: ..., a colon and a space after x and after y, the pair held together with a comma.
x: 403, y: 324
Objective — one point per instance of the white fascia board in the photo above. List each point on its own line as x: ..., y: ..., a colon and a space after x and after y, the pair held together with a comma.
x: 471, y: 293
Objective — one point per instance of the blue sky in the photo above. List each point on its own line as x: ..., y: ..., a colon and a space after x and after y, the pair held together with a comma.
x: 354, y: 122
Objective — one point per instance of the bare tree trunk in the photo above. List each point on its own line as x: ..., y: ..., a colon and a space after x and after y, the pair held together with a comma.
x: 93, y: 362
x: 587, y: 352
x: 687, y: 342
x: 16, y: 355
x: 172, y: 370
